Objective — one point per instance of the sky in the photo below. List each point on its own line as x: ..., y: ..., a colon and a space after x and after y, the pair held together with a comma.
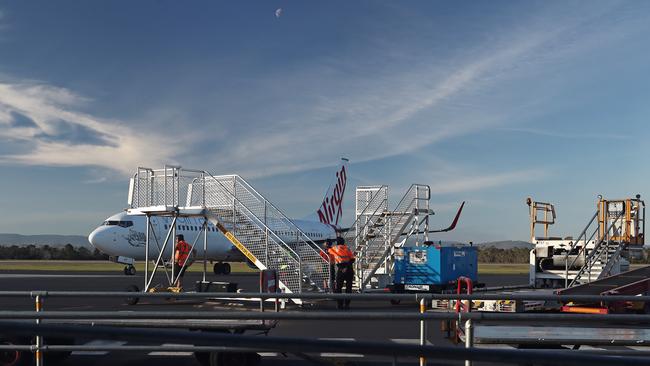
x: 487, y: 102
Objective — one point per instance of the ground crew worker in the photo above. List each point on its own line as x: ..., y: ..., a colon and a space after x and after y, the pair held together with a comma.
x: 181, y: 258
x: 344, y: 260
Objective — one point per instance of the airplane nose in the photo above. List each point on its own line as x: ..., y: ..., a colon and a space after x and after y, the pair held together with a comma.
x: 95, y: 238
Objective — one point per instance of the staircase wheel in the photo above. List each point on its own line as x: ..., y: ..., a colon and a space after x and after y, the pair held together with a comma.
x: 132, y: 300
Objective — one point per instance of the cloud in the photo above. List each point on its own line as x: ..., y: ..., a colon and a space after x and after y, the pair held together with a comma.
x: 566, y: 135
x: 470, y: 183
x: 95, y: 180
x: 399, y: 109
x: 46, y: 121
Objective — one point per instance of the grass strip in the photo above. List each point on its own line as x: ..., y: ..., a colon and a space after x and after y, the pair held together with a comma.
x: 98, y: 266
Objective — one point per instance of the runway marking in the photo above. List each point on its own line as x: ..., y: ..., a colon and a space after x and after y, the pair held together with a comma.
x: 415, y: 341
x: 46, y: 275
x: 340, y: 355
x: 268, y: 354
x: 174, y: 354
x: 98, y: 342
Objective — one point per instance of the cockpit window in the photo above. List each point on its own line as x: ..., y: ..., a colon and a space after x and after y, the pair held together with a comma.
x: 118, y: 223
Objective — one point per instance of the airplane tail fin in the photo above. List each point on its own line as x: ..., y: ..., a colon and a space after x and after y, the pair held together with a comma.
x: 331, y: 210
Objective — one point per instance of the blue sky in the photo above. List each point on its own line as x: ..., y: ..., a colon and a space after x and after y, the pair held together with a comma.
x: 487, y: 102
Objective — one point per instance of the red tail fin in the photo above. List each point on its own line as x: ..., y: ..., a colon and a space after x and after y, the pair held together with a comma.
x: 331, y: 210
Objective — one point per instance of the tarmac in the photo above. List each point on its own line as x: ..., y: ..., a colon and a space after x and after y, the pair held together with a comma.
x: 385, y: 330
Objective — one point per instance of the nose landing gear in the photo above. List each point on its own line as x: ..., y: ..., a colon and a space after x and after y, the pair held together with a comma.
x: 129, y: 270
x: 221, y: 268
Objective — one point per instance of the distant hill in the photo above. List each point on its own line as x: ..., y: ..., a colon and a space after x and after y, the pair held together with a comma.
x: 51, y: 240
x: 506, y: 244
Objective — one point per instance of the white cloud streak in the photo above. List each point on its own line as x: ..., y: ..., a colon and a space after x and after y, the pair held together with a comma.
x: 51, y: 110
x: 396, y: 111
x: 480, y: 182
x: 566, y: 135
x: 401, y: 111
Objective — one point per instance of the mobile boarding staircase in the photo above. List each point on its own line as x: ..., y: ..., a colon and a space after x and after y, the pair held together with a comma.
x: 379, y: 232
x: 246, y: 218
x: 614, y: 232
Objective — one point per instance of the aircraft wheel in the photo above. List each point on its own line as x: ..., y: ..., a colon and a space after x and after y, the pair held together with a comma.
x: 132, y: 300
x: 225, y: 268
x: 129, y: 270
x: 218, y: 268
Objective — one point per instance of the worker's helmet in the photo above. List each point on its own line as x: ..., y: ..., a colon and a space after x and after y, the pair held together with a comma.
x: 340, y: 241
x: 180, y: 237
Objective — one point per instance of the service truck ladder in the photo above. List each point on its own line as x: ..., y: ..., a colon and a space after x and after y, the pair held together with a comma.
x: 247, y: 219
x: 618, y: 225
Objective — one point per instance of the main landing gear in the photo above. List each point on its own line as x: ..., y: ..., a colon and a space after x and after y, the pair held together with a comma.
x: 129, y: 270
x: 221, y: 268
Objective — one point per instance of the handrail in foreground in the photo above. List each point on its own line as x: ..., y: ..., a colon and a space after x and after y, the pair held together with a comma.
x: 325, y: 315
x: 327, y: 296
x: 303, y: 345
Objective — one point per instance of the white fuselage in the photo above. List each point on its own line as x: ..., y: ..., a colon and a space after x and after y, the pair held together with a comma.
x: 124, y: 235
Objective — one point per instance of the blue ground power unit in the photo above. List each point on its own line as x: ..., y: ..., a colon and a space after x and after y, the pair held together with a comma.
x: 434, y: 267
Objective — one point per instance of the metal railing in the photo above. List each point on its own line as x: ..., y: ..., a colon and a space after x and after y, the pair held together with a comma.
x: 594, y: 255
x: 270, y: 238
x: 373, y: 207
x: 414, y: 202
x: 52, y: 323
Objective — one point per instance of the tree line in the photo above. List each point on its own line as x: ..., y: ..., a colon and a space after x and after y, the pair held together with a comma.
x: 521, y: 255
x: 66, y: 252
x: 69, y: 252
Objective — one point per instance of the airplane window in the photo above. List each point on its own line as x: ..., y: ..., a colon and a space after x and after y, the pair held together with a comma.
x: 118, y: 223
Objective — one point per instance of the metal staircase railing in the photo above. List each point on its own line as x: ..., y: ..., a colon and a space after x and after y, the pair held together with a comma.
x: 252, y: 223
x: 262, y: 239
x: 370, y: 219
x: 595, y: 255
x: 574, y: 244
x: 406, y: 213
x: 615, y: 257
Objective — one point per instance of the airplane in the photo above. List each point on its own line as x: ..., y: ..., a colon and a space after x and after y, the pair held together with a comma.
x: 122, y: 236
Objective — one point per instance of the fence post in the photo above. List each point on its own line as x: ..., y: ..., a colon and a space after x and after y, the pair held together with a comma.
x: 423, y: 331
x: 38, y: 355
x: 469, y: 338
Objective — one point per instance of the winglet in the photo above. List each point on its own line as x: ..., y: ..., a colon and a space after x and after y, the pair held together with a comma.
x: 453, y: 224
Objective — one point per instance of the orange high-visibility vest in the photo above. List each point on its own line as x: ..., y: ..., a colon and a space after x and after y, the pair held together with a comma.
x: 341, y: 254
x: 183, y: 252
